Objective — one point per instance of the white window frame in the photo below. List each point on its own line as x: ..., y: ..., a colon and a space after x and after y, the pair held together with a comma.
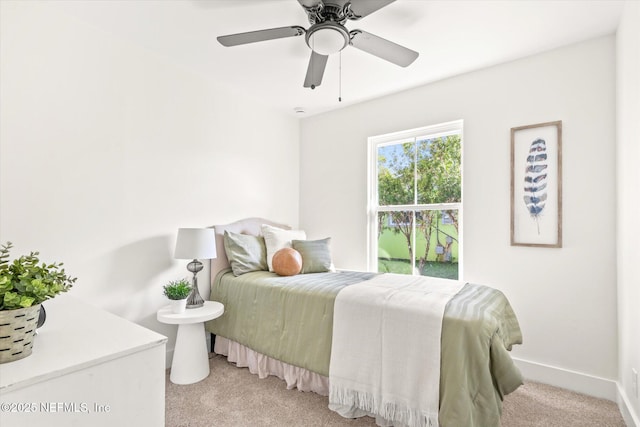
x: 433, y: 131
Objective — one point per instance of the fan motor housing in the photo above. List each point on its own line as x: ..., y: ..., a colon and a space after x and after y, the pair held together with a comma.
x: 327, y: 37
x: 322, y: 12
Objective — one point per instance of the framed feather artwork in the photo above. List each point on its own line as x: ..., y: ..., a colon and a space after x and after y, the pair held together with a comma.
x: 536, y: 185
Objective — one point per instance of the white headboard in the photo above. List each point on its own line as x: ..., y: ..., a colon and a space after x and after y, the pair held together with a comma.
x: 250, y: 226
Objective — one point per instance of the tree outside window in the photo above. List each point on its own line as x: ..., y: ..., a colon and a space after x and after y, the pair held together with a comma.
x: 417, y: 201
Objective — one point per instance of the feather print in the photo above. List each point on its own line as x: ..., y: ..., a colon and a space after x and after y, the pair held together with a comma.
x: 536, y: 179
x: 535, y: 196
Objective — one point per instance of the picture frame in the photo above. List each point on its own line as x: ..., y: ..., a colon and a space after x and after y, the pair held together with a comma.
x: 536, y: 185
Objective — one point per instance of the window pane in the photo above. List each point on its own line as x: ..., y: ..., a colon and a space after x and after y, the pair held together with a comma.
x: 438, y: 169
x: 437, y: 243
x: 395, y: 242
x: 418, y: 197
x: 396, y: 181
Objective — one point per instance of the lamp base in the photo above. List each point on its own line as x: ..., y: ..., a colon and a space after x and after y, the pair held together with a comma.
x: 194, y: 300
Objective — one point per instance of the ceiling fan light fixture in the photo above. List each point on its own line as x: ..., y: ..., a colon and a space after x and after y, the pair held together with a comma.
x: 327, y: 38
x: 327, y: 35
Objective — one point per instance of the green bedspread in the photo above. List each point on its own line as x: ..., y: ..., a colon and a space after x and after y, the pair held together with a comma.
x: 476, y: 371
x: 291, y: 319
x: 287, y: 318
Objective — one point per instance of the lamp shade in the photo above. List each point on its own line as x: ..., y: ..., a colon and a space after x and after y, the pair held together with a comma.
x: 196, y: 243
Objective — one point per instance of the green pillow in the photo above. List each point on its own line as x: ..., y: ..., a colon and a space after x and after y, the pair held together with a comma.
x: 245, y: 253
x: 316, y: 256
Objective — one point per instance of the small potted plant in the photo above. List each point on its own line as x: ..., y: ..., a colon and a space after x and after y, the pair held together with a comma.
x: 24, y: 284
x: 178, y: 291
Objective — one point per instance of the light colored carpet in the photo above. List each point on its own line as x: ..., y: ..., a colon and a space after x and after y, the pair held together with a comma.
x: 233, y: 397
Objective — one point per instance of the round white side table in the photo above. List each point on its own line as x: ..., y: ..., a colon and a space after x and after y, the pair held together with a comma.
x: 190, y: 357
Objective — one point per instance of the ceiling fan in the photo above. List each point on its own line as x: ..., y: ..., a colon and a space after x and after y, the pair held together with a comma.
x: 327, y: 35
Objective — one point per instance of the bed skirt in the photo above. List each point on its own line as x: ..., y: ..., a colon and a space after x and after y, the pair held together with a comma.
x: 263, y: 366
x: 295, y: 377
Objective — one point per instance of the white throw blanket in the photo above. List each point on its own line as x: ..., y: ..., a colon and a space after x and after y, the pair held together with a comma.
x: 385, y: 357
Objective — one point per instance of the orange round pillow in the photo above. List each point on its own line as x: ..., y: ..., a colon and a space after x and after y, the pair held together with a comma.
x: 287, y: 262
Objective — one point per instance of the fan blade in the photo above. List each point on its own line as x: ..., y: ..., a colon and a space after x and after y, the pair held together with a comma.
x: 362, y: 8
x: 260, y: 35
x: 383, y: 48
x: 315, y: 71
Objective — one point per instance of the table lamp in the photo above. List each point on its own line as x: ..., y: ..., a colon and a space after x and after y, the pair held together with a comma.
x: 195, y: 244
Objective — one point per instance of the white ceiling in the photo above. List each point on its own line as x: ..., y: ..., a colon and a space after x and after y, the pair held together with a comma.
x: 452, y: 37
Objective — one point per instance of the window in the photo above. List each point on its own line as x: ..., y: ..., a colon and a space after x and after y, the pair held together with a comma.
x: 415, y: 199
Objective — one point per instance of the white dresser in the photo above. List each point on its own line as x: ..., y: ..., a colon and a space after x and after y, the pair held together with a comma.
x: 88, y: 368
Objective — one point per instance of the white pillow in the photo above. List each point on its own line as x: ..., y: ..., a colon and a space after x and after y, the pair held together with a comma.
x: 277, y: 238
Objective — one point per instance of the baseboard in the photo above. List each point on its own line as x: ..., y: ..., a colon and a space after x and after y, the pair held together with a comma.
x: 631, y: 419
x: 570, y: 380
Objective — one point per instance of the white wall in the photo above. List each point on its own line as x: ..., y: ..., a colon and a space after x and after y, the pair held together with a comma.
x: 107, y: 149
x: 628, y: 175
x: 565, y: 298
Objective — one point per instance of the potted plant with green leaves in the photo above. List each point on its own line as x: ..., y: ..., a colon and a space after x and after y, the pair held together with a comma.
x: 25, y: 284
x: 178, y: 291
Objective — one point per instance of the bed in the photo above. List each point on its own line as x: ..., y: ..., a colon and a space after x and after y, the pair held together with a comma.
x: 283, y: 326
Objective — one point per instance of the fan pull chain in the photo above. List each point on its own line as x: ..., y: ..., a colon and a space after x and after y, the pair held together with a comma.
x: 340, y: 79
x: 313, y: 69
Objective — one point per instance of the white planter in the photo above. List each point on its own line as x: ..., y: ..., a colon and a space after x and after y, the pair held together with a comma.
x: 178, y: 305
